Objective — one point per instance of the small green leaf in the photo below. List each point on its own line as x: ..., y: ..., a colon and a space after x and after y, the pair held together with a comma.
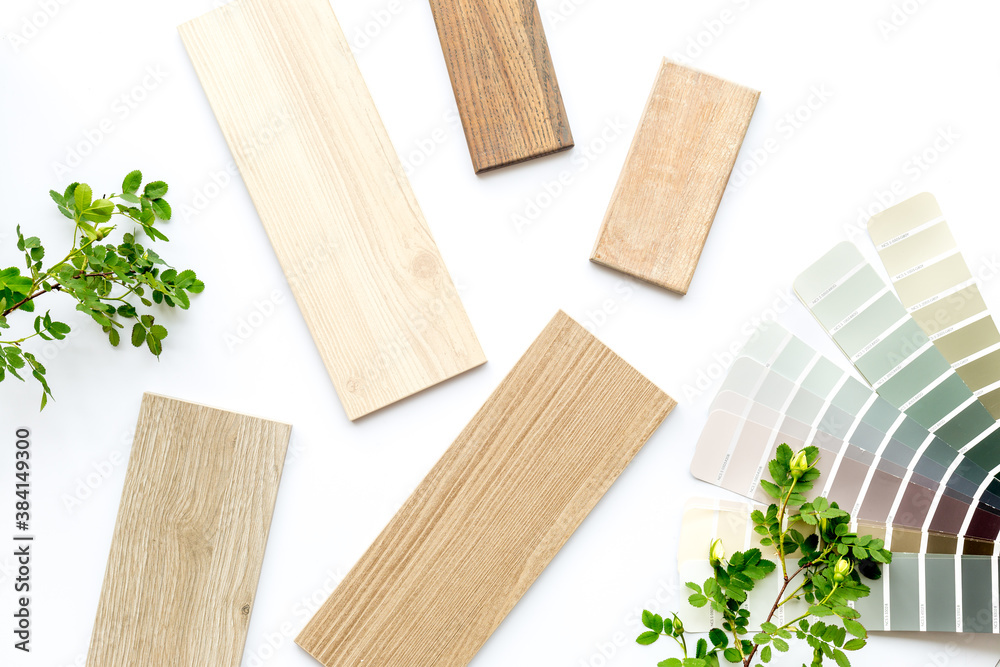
x: 82, y: 197
x: 732, y: 655
x: 138, y: 335
x: 99, y: 211
x: 154, y: 345
x: 647, y: 638
x: 669, y: 662
x: 855, y: 644
x: 161, y: 208
x: 855, y: 628
x: 652, y: 621
x: 780, y: 644
x: 718, y: 638
x: 132, y: 182
x: 114, y: 338
x: 765, y: 654
x: 155, y: 189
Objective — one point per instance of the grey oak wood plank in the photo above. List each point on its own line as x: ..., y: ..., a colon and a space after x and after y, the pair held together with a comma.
x: 190, y: 537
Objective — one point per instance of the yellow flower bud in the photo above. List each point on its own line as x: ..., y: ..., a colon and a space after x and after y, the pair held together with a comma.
x: 678, y: 626
x: 799, y: 465
x: 717, y: 553
x: 842, y: 570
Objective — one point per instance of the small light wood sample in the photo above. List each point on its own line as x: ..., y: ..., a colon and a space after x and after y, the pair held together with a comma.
x: 674, y: 177
x: 333, y: 198
x: 503, y: 78
x: 497, y: 507
x: 190, y: 537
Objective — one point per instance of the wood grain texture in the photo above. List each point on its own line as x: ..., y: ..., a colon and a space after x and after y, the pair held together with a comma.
x: 333, y: 198
x: 494, y: 510
x: 190, y: 537
x: 503, y: 78
x: 674, y: 176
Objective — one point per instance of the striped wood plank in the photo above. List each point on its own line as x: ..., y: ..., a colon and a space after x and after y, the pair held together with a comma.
x: 503, y: 78
x: 496, y: 508
x: 674, y: 176
x: 190, y: 537
x: 333, y: 198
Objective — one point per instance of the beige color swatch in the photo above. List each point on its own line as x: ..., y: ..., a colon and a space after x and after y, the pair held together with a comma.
x: 934, y: 283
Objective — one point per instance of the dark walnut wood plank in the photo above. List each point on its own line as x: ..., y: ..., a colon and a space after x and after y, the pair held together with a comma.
x: 504, y: 81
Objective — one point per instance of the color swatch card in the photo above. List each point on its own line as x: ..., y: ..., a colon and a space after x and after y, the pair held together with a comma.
x: 889, y: 448
x: 877, y: 489
x: 705, y: 520
x: 937, y: 288
x: 864, y: 317
x: 842, y: 396
x: 909, y: 515
x: 918, y: 592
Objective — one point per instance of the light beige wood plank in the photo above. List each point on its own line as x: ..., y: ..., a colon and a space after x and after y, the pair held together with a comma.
x: 504, y: 81
x: 190, y: 537
x: 495, y: 509
x: 333, y: 198
x: 674, y: 176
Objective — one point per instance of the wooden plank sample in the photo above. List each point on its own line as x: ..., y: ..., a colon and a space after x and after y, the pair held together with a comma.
x: 674, y: 176
x: 503, y: 78
x: 497, y: 507
x: 190, y: 537
x: 333, y: 198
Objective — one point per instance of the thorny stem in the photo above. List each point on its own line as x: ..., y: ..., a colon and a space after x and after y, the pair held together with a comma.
x: 778, y: 602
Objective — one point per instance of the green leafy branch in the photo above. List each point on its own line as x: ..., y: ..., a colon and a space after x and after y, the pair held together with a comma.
x: 109, y: 282
x: 826, y: 578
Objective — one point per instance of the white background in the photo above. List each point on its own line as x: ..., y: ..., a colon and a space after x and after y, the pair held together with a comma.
x: 886, y: 93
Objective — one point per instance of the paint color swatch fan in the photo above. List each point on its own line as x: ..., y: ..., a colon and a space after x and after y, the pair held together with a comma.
x: 913, y: 454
